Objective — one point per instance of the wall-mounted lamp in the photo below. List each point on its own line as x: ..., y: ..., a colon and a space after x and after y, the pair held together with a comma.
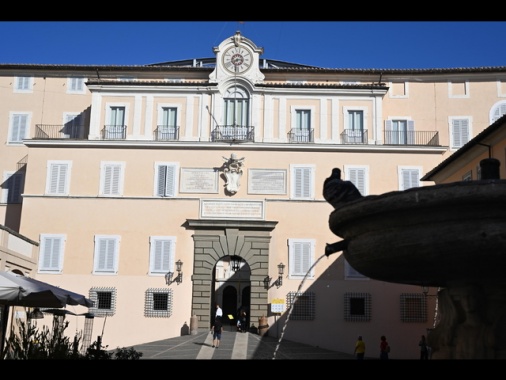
x: 425, y: 291
x: 236, y: 263
x: 281, y: 269
x: 279, y: 281
x: 179, y: 278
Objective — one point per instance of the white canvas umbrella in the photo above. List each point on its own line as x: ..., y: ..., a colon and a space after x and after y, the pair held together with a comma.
x: 18, y: 290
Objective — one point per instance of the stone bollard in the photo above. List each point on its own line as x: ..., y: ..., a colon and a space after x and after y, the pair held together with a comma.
x: 263, y: 326
x: 194, y: 325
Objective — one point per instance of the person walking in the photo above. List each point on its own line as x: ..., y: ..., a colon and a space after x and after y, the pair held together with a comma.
x: 219, y: 312
x: 384, y: 348
x: 359, y: 348
x: 424, y: 349
x: 216, y: 330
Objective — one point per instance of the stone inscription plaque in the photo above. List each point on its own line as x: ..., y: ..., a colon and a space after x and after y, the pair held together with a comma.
x: 224, y: 209
x: 199, y: 181
x: 266, y: 181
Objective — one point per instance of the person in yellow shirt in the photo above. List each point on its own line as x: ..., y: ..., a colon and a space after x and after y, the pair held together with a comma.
x: 359, y: 348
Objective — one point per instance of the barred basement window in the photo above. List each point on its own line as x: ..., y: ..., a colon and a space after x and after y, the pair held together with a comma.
x: 357, y: 307
x: 104, y: 302
x: 413, y: 307
x: 158, y: 303
x: 304, y: 305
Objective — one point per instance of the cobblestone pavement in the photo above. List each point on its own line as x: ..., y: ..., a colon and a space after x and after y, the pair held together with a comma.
x: 234, y: 345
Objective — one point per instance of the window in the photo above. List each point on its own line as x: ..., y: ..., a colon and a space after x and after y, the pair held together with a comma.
x: 458, y: 89
x: 166, y: 179
x: 75, y: 85
x: 468, y: 176
x: 357, y: 307
x: 302, y: 130
x: 398, y: 90
x: 111, y: 178
x: 116, y: 128
x: 167, y: 129
x: 399, y: 132
x: 351, y: 274
x: 409, y: 177
x: 303, y: 305
x: 498, y: 110
x: 12, y: 187
x: 460, y: 132
x: 58, y: 177
x: 359, y: 176
x: 73, y: 125
x: 161, y: 255
x: 51, y: 253
x: 302, y: 181
x: 19, y: 126
x: 413, y: 307
x: 354, y: 127
x: 23, y: 84
x: 104, y: 302
x: 158, y: 303
x: 300, y: 258
x: 106, y: 254
x: 236, y: 107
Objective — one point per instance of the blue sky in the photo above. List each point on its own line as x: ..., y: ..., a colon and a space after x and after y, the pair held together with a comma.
x: 330, y: 44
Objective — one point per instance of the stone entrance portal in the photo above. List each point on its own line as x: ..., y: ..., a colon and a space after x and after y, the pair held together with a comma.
x: 216, y: 239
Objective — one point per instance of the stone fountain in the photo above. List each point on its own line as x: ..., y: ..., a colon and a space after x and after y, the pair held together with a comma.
x: 451, y: 236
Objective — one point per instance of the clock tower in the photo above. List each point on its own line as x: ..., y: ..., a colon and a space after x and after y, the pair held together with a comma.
x: 236, y: 57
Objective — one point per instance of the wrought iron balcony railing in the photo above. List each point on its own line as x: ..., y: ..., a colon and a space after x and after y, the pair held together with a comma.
x: 166, y: 133
x: 114, y: 132
x: 56, y: 132
x: 301, y: 136
x: 411, y: 138
x: 351, y: 136
x: 233, y: 133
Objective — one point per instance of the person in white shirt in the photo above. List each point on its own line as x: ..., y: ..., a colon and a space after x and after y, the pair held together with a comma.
x: 219, y: 312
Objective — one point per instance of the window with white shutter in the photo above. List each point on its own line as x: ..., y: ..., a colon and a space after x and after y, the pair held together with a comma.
x: 300, y: 257
x: 358, y: 175
x: 111, y: 179
x: 302, y: 181
x: 400, y: 132
x: 18, y: 130
x: 75, y: 85
x: 409, y: 177
x: 106, y: 254
x: 166, y: 179
x: 161, y: 256
x: 23, y: 84
x: 460, y: 132
x: 498, y: 110
x: 51, y: 253
x: 58, y: 177
x: 12, y: 187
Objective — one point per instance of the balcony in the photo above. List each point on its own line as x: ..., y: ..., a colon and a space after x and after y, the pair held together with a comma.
x: 57, y: 132
x: 233, y: 133
x: 352, y: 136
x: 426, y: 138
x: 301, y: 136
x: 166, y: 133
x: 114, y: 132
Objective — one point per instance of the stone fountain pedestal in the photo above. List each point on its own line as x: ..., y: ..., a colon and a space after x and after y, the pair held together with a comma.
x: 451, y: 236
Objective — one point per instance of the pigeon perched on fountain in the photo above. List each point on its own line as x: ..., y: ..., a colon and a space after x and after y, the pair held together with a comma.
x: 336, y: 191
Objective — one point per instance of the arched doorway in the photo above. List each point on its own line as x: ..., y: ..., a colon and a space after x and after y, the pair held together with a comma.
x: 232, y: 285
x: 213, y: 241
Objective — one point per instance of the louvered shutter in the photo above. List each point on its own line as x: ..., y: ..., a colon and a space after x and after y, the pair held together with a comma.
x: 106, y: 253
x: 302, y: 182
x: 357, y: 177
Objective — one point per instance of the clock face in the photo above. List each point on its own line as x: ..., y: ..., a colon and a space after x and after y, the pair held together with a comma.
x: 237, y: 59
